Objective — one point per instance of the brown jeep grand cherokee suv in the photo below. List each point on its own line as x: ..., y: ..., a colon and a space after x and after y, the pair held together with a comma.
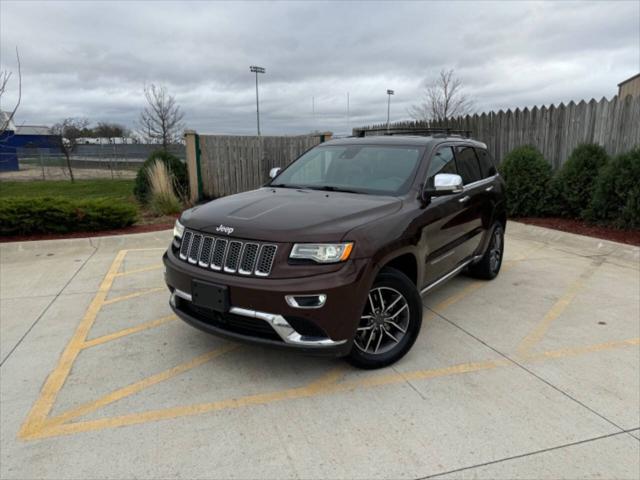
x: 332, y: 255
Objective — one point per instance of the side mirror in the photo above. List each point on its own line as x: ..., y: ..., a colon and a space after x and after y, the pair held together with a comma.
x: 443, y: 184
x: 274, y: 172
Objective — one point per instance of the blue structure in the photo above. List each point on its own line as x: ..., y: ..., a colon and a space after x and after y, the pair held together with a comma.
x: 29, y: 138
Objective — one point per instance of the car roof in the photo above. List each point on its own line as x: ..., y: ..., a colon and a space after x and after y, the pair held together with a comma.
x: 403, y: 140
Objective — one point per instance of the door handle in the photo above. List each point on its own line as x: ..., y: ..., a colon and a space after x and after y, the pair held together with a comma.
x: 464, y: 199
x: 489, y: 188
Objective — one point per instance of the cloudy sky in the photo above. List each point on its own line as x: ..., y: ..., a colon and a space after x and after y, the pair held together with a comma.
x: 92, y: 59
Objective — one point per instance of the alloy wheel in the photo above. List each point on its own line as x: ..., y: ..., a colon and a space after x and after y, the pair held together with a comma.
x: 495, y: 253
x: 384, y: 322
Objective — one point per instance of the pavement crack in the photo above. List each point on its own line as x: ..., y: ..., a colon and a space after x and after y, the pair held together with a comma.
x: 46, y: 309
x: 530, y: 372
x: 408, y: 382
x: 523, y: 455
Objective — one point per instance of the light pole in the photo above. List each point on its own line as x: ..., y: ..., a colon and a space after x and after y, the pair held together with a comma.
x: 389, y: 93
x: 257, y: 70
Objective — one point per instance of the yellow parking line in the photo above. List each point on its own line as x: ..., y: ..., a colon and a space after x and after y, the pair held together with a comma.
x: 56, y: 379
x: 39, y: 425
x: 128, y: 331
x: 567, y: 352
x: 133, y: 295
x: 138, y: 386
x: 326, y: 385
x: 556, y: 310
x: 140, y: 270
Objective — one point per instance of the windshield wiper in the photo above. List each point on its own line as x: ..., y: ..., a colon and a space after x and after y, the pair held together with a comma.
x: 331, y: 188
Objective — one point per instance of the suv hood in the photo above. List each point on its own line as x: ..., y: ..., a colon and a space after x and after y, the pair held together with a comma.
x: 289, y: 215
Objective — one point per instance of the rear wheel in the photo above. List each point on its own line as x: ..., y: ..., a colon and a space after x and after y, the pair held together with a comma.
x: 390, y: 321
x: 489, y: 265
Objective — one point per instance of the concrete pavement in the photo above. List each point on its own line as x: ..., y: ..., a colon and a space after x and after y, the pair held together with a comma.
x: 532, y: 375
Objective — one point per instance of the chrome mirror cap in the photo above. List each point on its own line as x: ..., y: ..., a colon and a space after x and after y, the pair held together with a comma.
x: 273, y: 173
x: 445, y: 183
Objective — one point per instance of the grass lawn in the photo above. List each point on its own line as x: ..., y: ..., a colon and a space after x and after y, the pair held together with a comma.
x: 80, y: 189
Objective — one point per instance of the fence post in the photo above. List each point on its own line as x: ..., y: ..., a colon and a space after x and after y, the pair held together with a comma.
x: 192, y: 150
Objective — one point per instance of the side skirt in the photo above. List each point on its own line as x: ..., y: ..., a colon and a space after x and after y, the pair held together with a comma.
x: 452, y: 273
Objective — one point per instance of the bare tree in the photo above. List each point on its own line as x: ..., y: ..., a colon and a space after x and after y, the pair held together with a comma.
x: 442, y: 99
x: 68, y: 131
x: 5, y: 75
x: 161, y: 120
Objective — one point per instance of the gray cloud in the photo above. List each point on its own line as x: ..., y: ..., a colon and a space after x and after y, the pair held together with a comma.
x: 93, y: 59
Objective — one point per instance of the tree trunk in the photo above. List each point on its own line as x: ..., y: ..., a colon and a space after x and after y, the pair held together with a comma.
x: 67, y: 156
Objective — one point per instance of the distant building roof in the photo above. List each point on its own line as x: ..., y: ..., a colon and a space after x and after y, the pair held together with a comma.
x: 33, y: 130
x: 629, y: 79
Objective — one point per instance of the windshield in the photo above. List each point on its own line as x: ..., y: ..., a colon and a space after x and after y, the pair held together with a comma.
x: 381, y: 170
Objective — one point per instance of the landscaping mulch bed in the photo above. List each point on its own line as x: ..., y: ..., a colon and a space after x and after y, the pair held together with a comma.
x: 631, y: 237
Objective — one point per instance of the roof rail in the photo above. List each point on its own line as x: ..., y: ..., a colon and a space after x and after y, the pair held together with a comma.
x: 427, y: 132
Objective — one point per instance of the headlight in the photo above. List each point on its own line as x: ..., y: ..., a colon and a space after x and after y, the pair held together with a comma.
x: 178, y: 229
x: 322, y: 252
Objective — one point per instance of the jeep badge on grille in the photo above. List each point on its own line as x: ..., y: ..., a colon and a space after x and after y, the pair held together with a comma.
x: 225, y: 229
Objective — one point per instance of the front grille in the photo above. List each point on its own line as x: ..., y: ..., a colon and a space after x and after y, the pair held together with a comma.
x: 228, y: 255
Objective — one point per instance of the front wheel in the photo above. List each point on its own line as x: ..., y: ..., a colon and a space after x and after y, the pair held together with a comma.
x: 390, y: 321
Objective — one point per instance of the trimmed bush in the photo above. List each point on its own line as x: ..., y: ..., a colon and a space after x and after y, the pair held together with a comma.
x: 25, y: 216
x: 178, y: 170
x: 616, y: 196
x: 575, y: 181
x: 527, y: 176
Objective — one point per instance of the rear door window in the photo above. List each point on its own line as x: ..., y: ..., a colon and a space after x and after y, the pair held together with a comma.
x: 442, y: 162
x: 487, y: 165
x: 468, y: 166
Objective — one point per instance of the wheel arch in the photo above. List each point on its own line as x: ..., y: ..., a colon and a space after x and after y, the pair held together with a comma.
x: 405, y: 262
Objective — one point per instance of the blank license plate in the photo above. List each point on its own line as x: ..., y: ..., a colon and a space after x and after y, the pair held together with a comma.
x: 209, y: 295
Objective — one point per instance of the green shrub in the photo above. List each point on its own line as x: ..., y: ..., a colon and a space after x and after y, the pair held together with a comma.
x: 616, y: 197
x: 24, y: 216
x: 527, y: 175
x: 163, y: 204
x: 574, y: 183
x: 177, y: 168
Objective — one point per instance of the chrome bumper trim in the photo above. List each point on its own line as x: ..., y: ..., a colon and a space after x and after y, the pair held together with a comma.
x: 286, y: 331
x: 184, y: 295
x: 277, y: 322
x: 293, y: 302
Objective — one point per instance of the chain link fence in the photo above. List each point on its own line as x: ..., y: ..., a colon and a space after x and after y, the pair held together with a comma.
x: 87, y: 162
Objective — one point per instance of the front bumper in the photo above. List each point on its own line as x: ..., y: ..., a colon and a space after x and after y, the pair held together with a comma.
x: 259, y: 312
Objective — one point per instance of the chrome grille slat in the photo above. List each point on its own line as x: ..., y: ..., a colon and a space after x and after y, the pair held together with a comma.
x: 265, y: 260
x: 227, y: 254
x: 205, y: 252
x: 232, y: 258
x: 219, y: 250
x: 248, y: 258
x: 186, y: 243
x: 194, y: 249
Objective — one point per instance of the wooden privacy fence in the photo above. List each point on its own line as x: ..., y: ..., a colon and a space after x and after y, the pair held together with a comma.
x: 222, y: 165
x: 554, y: 130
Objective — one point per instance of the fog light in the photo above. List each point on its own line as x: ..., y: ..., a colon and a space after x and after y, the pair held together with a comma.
x: 306, y: 301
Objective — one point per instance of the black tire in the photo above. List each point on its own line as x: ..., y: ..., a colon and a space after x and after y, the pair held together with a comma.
x: 389, y: 282
x: 488, y: 267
